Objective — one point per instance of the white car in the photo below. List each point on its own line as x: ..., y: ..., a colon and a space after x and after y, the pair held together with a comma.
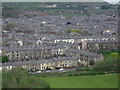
x: 61, y: 69
x: 48, y: 71
x: 38, y: 72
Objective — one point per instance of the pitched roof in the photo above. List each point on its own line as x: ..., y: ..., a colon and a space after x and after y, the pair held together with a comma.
x: 102, y: 41
x: 27, y: 48
x: 38, y: 61
x: 83, y: 52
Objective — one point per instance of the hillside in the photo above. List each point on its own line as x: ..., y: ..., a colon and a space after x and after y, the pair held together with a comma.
x: 53, y: 8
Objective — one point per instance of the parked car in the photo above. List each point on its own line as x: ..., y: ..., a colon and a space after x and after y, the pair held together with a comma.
x: 38, y: 71
x: 61, y: 69
x: 48, y: 70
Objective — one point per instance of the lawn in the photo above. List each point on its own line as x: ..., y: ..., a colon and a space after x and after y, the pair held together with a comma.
x: 92, y: 81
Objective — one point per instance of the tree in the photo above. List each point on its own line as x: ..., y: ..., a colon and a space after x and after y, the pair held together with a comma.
x: 20, y: 78
x: 5, y: 59
x: 10, y: 26
x: 8, y: 81
x: 92, y: 62
x: 108, y: 64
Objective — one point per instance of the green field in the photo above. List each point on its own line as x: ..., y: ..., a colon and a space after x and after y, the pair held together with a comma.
x: 94, y: 81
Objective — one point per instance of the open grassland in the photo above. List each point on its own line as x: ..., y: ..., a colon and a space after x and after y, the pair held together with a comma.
x: 92, y: 81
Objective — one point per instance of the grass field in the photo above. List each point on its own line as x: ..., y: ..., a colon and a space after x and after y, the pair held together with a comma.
x: 94, y: 81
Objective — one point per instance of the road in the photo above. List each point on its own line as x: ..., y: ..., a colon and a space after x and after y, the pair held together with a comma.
x: 52, y: 71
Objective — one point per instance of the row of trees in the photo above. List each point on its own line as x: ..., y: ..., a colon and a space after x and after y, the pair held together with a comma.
x: 19, y: 78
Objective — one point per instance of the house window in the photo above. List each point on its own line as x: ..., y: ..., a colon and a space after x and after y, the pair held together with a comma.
x: 17, y: 57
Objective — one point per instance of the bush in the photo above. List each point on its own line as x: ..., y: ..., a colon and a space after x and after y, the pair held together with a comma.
x: 108, y: 64
x: 4, y: 59
x: 70, y: 75
x: 83, y: 68
x: 19, y: 78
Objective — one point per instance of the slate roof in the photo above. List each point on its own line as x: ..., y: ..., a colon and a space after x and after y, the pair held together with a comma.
x: 27, y: 48
x: 38, y: 61
x: 102, y: 41
x: 83, y: 52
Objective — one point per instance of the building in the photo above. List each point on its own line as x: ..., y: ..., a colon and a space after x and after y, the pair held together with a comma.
x: 97, y: 46
x: 22, y: 53
x: 86, y: 58
x: 34, y: 65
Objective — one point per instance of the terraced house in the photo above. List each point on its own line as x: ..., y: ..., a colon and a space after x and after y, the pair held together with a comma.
x: 47, y: 42
x: 45, y: 64
x: 102, y: 45
x: 85, y: 58
x: 32, y: 52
